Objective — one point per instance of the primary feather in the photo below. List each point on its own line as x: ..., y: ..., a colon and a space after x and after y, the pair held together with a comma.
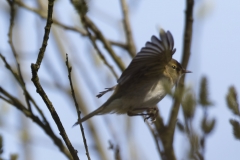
x: 153, y: 57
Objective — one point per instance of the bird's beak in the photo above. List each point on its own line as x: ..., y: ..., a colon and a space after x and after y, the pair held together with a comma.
x: 186, y: 71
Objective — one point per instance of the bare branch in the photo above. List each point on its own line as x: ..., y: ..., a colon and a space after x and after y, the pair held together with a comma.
x: 130, y: 44
x: 10, y: 37
x: 35, y: 80
x: 156, y: 138
x: 45, y: 126
x: 56, y: 22
x: 69, y: 69
x: 29, y: 97
x: 80, y: 100
x: 46, y: 35
x: 185, y: 59
x: 101, y: 54
x: 53, y: 112
x: 116, y: 150
x: 106, y: 43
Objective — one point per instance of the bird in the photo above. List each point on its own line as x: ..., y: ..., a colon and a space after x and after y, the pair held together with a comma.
x: 143, y: 83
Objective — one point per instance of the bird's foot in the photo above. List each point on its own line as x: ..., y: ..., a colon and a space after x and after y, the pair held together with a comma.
x: 151, y: 114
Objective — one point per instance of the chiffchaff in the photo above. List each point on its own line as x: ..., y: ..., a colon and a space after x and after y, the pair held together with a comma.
x: 142, y: 84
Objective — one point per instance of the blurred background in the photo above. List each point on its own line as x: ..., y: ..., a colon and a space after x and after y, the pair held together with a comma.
x: 214, y: 54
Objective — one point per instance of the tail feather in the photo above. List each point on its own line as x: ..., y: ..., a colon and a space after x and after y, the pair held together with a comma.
x: 96, y: 112
x: 109, y: 106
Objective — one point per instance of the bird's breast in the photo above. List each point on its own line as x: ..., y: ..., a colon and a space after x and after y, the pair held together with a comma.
x: 155, y: 94
x: 139, y: 95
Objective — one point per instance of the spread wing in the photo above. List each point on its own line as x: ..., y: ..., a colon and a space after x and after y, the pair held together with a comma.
x: 152, y: 59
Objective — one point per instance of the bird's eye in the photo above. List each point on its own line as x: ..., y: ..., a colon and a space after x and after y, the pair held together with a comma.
x: 174, y: 67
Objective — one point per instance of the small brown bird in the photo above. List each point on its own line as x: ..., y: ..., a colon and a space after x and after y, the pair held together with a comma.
x: 142, y: 84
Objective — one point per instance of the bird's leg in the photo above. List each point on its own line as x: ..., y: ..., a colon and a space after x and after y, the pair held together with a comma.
x: 151, y: 113
x: 132, y: 113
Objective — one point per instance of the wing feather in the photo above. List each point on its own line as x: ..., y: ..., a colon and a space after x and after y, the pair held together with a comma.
x: 152, y: 59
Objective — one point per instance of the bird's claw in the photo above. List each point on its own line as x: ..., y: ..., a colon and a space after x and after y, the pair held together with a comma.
x: 151, y: 114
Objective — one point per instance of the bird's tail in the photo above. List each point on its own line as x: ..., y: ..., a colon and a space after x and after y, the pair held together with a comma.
x: 96, y: 112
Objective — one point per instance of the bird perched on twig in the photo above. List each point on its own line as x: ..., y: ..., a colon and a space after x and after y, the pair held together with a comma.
x: 142, y: 84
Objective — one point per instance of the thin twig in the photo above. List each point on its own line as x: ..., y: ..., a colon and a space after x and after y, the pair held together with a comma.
x: 7, y: 100
x: 82, y: 105
x: 15, y: 75
x: 45, y: 126
x: 105, y: 42
x: 10, y: 69
x: 91, y: 25
x: 100, y: 53
x: 90, y: 123
x: 10, y: 37
x: 185, y: 59
x: 93, y: 40
x: 130, y: 44
x: 166, y: 133
x: 119, y: 44
x: 52, y: 110
x: 87, y: 23
x: 156, y: 138
x: 115, y: 149
x: 56, y: 22
x: 69, y: 69
x: 35, y: 80
x: 46, y: 34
